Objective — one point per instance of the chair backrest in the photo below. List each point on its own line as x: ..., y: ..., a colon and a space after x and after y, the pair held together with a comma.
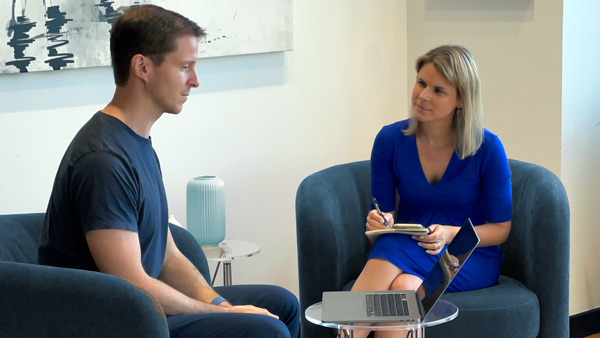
x: 540, y: 223
x: 537, y: 249
x: 332, y: 248
x: 19, y: 237
x: 337, y: 196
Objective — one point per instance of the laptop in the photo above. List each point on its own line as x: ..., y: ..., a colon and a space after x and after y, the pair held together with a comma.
x: 402, y: 305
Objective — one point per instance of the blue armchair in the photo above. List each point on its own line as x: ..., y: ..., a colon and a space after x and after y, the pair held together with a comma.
x: 531, y: 298
x: 43, y: 301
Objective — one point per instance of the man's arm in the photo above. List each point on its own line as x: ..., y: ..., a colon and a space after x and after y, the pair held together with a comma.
x: 118, y: 253
x: 179, y: 273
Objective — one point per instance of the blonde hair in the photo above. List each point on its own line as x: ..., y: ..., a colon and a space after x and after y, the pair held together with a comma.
x: 458, y: 66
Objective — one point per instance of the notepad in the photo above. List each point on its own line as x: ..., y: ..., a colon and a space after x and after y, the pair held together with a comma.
x: 398, y: 228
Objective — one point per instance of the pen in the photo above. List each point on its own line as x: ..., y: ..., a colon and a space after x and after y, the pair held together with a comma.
x: 374, y: 200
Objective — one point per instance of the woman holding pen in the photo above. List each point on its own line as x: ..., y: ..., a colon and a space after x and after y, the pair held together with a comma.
x: 445, y: 167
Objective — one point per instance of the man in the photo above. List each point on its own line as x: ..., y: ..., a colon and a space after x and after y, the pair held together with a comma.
x: 108, y: 209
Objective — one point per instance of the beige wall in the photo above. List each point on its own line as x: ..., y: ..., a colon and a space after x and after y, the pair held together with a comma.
x: 519, y: 49
x: 517, y: 45
x: 264, y: 122
x: 260, y: 122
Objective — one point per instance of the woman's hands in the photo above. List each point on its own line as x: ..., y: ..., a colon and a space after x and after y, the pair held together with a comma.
x: 375, y: 222
x: 434, y: 242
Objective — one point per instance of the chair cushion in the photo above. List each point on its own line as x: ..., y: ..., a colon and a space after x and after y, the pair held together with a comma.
x: 491, y: 312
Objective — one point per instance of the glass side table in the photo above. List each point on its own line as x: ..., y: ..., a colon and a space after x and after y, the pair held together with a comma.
x: 227, y: 251
x: 442, y: 312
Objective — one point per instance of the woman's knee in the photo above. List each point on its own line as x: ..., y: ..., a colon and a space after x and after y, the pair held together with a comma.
x: 405, y: 281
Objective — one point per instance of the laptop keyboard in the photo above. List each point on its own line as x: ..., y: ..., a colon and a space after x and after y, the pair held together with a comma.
x: 386, y: 304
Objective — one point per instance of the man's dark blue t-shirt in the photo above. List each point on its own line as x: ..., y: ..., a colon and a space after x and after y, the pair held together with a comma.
x: 109, y: 178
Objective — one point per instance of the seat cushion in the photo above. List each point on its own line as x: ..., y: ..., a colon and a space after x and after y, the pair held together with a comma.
x: 508, y: 309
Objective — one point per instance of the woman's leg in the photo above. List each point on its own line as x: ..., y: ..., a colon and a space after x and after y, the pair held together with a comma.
x: 403, y: 281
x: 377, y: 275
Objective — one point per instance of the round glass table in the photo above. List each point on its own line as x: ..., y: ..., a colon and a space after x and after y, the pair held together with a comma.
x: 442, y: 312
x: 227, y: 251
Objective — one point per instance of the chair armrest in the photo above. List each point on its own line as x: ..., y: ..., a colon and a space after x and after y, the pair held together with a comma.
x: 187, y: 244
x: 58, y: 302
x: 332, y: 248
x: 537, y: 251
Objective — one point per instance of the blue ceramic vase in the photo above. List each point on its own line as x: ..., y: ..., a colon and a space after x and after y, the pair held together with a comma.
x: 206, y: 209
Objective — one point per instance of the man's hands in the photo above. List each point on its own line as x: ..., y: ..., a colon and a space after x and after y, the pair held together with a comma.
x: 249, y: 309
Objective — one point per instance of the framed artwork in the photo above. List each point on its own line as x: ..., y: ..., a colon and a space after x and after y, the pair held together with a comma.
x: 52, y: 35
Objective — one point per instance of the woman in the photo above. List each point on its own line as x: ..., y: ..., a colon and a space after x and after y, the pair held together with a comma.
x: 445, y: 168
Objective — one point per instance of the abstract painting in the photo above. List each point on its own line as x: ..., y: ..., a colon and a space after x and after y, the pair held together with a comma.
x: 53, y: 35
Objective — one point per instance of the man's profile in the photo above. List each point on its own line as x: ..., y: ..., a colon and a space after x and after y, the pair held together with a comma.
x: 108, y: 210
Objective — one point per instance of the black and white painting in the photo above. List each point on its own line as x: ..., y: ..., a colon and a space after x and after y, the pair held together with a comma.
x: 45, y: 35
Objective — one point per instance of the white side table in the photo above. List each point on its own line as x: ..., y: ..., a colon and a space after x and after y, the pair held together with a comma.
x: 227, y: 251
x: 442, y: 312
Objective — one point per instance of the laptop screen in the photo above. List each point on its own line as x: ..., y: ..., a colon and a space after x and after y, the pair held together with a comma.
x: 442, y: 273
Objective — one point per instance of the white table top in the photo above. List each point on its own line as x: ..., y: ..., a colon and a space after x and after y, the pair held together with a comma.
x: 442, y: 312
x: 229, y: 250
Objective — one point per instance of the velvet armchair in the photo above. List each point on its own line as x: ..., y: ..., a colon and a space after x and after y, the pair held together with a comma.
x: 531, y: 297
x: 43, y: 301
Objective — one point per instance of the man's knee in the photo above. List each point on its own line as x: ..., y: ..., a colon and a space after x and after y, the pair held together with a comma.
x: 266, y: 327
x: 274, y: 298
x: 277, y: 300
x: 285, y: 297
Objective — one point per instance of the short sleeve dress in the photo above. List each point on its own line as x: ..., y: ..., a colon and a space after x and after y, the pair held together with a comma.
x: 477, y: 187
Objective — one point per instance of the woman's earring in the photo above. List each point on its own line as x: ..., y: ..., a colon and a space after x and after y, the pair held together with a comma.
x: 459, y: 111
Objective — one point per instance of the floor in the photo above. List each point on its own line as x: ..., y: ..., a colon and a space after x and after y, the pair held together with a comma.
x: 597, y: 335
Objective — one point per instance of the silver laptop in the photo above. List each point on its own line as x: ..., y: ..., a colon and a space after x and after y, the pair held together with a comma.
x: 402, y: 305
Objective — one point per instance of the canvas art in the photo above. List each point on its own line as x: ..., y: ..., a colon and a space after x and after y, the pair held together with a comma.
x: 53, y: 35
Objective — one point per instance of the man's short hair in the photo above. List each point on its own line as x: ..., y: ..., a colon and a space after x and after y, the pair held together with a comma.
x: 149, y: 30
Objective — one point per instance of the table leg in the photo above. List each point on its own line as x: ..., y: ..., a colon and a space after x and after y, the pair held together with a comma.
x: 215, y: 275
x: 416, y: 333
x: 345, y: 333
x: 227, y: 273
x: 412, y: 333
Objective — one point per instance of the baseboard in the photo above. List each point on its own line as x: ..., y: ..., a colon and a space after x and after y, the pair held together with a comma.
x: 584, y: 324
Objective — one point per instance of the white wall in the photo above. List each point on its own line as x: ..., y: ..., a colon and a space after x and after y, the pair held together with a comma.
x: 517, y: 47
x: 530, y: 100
x: 539, y: 72
x: 260, y: 122
x: 580, y: 142
x: 264, y: 122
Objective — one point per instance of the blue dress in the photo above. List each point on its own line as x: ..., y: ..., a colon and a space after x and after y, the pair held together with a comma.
x: 477, y: 187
